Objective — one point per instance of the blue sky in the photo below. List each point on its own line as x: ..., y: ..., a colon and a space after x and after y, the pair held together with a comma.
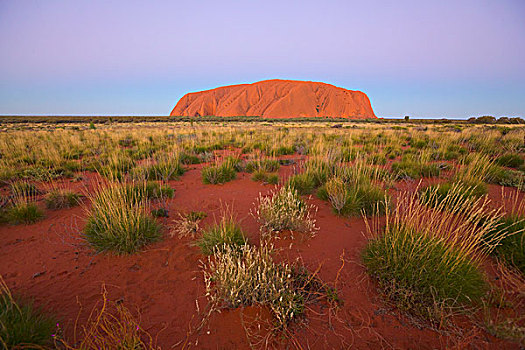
x: 429, y: 59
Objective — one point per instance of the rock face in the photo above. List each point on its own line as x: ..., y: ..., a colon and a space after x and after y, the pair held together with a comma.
x: 276, y: 99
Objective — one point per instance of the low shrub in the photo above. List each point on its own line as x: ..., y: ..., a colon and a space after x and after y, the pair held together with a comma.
x: 398, y: 258
x: 511, y: 249
x: 166, y: 167
x: 160, y: 213
x: 24, y: 189
x: 504, y: 177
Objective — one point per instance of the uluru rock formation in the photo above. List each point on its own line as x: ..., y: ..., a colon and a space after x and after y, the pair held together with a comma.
x: 276, y: 99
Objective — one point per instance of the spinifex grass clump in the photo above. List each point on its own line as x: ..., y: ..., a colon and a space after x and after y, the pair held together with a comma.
x: 24, y: 209
x: 303, y: 183
x: 510, y: 160
x: 473, y: 170
x: 155, y: 190
x: 262, y: 176
x: 511, y: 249
x: 466, y: 183
x: 355, y: 190
x: 21, y: 325
x: 119, y: 220
x: 452, y: 193
x: 428, y: 260
x: 225, y: 233
x: 412, y: 167
x: 24, y: 188
x: 165, y: 167
x: 61, y: 198
x: 316, y: 172
x: 116, y: 166
x: 220, y: 173
x: 285, y: 210
x: 235, y: 277
x: 505, y: 177
x: 266, y: 165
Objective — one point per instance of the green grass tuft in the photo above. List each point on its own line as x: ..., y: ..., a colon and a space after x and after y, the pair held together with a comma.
x: 21, y: 324
x: 226, y: 232
x: 510, y: 160
x: 58, y: 199
x: 416, y: 271
x: 24, y: 213
x: 119, y: 220
x: 220, y: 173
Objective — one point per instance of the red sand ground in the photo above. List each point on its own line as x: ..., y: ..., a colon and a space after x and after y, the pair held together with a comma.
x: 45, y: 261
x: 276, y: 99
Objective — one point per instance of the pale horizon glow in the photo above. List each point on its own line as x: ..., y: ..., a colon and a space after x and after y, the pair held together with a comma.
x: 426, y: 59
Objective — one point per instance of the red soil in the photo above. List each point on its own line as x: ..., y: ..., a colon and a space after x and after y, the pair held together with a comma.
x: 46, y: 261
x: 276, y: 99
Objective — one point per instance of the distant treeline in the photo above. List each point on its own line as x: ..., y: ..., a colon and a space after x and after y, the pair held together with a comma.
x: 138, y: 119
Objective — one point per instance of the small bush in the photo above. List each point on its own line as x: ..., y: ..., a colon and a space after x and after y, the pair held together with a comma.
x: 119, y: 220
x: 259, y: 175
x: 284, y: 210
x: 354, y: 198
x: 226, y: 232
x: 190, y: 158
x: 272, y: 179
x: 22, y: 325
x: 59, y: 199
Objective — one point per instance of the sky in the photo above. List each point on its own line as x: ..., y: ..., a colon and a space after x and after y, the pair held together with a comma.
x: 425, y: 59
